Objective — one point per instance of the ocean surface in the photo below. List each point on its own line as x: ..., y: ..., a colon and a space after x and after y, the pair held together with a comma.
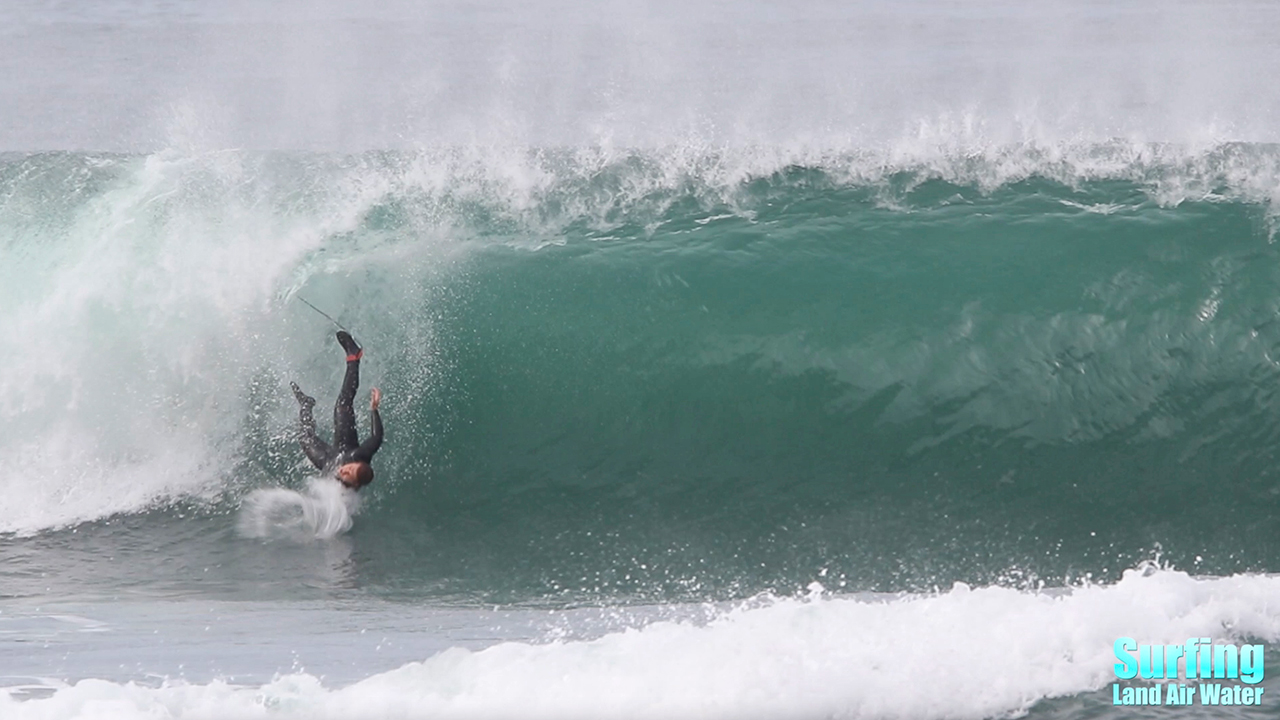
x: 739, y: 360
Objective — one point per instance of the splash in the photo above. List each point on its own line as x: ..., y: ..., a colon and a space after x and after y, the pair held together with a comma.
x: 320, y: 511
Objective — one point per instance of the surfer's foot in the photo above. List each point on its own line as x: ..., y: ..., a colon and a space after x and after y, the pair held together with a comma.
x: 348, y: 343
x: 303, y: 398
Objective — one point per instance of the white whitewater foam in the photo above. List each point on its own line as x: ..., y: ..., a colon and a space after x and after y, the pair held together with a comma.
x: 962, y: 654
x: 322, y: 510
x: 152, y: 308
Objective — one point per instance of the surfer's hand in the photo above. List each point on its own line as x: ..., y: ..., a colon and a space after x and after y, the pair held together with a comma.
x: 375, y: 399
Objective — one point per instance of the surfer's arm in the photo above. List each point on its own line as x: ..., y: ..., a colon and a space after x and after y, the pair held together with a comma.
x: 370, y: 446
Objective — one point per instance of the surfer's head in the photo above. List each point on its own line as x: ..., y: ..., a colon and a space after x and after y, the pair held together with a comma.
x: 355, y: 475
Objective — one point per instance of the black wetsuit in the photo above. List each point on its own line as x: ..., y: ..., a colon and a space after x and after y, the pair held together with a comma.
x: 346, y: 447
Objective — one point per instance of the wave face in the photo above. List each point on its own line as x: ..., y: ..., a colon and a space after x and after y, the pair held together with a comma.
x: 676, y: 373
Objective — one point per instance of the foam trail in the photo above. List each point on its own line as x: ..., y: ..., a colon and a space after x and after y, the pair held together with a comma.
x: 323, y: 510
x: 961, y: 654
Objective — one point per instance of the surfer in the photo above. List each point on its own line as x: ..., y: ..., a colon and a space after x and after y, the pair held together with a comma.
x: 348, y: 459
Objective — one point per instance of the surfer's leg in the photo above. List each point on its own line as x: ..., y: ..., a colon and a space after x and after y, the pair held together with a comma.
x: 344, y: 416
x: 317, y: 450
